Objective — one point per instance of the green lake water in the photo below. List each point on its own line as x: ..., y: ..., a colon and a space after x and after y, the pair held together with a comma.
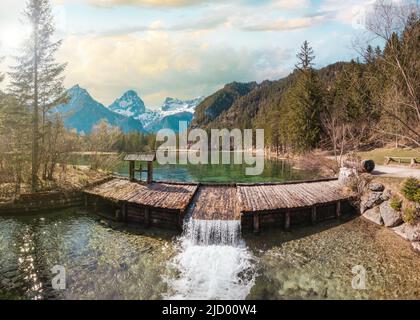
x: 116, y: 263
x: 104, y: 261
x: 274, y: 171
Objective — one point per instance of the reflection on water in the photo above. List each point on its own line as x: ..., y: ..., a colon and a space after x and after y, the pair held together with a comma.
x: 274, y: 171
x: 105, y: 263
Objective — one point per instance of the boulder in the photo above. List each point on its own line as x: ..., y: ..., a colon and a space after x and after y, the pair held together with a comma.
x: 416, y: 245
x: 390, y: 217
x: 376, y: 187
x: 370, y: 200
x: 408, y: 231
x: 346, y: 174
x: 374, y: 215
x: 386, y: 195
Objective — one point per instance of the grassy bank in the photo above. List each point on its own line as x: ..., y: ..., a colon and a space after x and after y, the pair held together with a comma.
x: 378, y: 155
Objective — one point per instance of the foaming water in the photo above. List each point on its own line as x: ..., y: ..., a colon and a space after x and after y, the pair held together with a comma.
x: 212, y: 262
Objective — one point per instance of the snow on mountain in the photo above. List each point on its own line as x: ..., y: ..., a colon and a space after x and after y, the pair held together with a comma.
x: 82, y: 113
x: 168, y: 115
x: 129, y: 105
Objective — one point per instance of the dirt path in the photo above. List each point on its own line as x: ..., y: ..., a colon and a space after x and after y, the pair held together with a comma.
x: 393, y: 171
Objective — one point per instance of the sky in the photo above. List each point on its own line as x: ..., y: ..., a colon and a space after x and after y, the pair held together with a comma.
x: 186, y: 48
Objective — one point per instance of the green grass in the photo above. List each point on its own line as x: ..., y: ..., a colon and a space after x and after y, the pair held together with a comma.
x: 378, y: 155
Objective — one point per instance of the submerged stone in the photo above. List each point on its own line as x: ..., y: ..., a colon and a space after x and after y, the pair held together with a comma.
x: 408, y: 231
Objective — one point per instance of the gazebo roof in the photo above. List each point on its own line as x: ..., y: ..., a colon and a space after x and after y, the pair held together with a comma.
x: 148, y: 157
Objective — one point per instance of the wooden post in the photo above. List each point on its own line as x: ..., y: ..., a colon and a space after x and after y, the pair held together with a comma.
x: 181, y: 216
x: 287, y: 220
x: 86, y: 201
x: 256, y: 217
x: 124, y: 212
x: 150, y: 172
x: 131, y: 170
x: 313, y: 215
x: 338, y: 210
x: 147, y: 217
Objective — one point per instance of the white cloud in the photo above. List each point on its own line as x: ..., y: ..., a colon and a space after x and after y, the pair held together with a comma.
x: 158, y: 65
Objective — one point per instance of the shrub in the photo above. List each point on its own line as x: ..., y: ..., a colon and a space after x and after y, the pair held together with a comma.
x: 411, y: 189
x: 396, y: 203
x: 409, y: 214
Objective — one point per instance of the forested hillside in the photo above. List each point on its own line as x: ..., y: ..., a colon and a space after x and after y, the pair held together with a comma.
x: 345, y: 106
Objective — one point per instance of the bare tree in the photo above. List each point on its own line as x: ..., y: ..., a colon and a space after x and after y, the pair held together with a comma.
x: 398, y: 26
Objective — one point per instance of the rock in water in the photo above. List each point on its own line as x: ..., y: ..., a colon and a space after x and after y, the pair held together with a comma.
x: 370, y: 200
x: 408, y: 231
x: 376, y: 187
x: 374, y: 215
x: 390, y: 217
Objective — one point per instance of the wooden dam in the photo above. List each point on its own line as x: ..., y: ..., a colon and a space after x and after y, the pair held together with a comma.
x: 258, y: 206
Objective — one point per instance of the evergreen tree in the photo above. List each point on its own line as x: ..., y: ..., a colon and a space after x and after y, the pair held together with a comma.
x: 36, y: 79
x: 305, y: 57
x: 305, y: 102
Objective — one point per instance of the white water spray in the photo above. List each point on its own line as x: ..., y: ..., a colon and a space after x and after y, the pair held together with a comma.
x: 212, y: 263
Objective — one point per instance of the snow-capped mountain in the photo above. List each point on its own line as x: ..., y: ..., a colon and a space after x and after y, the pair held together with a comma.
x: 82, y: 113
x: 129, y: 105
x: 128, y: 112
x: 169, y: 114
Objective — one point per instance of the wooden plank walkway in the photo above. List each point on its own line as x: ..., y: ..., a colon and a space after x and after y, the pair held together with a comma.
x: 220, y: 202
x: 158, y: 195
x: 215, y: 203
x: 261, y: 198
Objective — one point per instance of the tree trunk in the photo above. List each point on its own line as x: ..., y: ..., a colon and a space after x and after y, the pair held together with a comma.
x: 35, y: 129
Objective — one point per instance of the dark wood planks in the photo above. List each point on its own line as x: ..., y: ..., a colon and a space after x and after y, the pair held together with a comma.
x: 216, y: 203
x: 158, y: 195
x: 288, y: 196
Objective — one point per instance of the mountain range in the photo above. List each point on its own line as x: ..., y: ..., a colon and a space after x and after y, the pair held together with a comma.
x: 129, y: 113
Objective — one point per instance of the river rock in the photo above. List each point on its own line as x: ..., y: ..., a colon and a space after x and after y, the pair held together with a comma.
x: 390, y: 217
x: 408, y: 231
x: 416, y: 245
x: 346, y: 174
x: 386, y: 195
x: 370, y: 200
x: 376, y: 187
x: 374, y: 215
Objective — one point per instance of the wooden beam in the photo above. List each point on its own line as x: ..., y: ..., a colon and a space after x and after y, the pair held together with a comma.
x: 338, y: 209
x: 313, y: 215
x: 147, y: 217
x: 150, y: 172
x: 124, y: 212
x: 131, y: 170
x: 287, y: 220
x: 256, y: 218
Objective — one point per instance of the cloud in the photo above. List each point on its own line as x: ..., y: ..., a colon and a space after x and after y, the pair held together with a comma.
x: 281, y: 24
x: 151, y: 3
x: 158, y: 65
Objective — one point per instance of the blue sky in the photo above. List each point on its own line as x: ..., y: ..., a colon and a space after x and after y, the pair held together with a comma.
x: 187, y: 48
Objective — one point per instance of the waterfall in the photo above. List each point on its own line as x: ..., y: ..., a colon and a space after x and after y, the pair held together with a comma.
x: 212, y: 262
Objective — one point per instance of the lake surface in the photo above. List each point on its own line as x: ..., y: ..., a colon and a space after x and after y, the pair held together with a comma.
x: 275, y: 170
x: 104, y: 262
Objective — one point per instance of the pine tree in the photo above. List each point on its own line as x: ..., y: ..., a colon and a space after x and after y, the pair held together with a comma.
x: 305, y: 57
x: 305, y: 102
x: 36, y: 79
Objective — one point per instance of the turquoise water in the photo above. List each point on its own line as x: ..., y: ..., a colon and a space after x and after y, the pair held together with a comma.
x: 274, y: 171
x: 112, y: 262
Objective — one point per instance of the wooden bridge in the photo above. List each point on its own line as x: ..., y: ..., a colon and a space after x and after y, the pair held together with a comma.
x: 165, y: 204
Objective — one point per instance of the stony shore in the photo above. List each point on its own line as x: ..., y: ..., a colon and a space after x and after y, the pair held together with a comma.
x: 375, y: 206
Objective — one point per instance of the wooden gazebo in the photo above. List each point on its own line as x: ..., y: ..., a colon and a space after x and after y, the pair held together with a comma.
x: 149, y: 158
